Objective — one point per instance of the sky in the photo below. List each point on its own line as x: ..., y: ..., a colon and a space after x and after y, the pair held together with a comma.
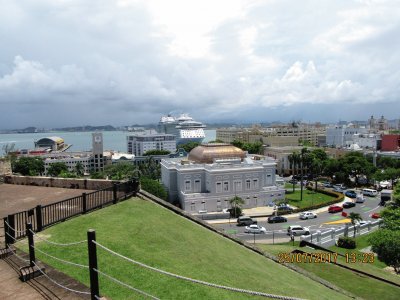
x: 122, y: 62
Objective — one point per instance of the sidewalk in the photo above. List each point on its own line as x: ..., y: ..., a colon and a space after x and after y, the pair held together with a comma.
x: 11, y: 287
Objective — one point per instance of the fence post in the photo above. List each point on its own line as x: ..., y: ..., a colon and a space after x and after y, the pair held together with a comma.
x: 39, y: 221
x: 115, y: 198
x: 84, y: 203
x: 11, y: 232
x: 6, y: 232
x: 31, y: 243
x: 94, y: 278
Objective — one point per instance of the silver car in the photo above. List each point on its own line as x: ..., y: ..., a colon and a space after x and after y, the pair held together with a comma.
x: 255, y: 229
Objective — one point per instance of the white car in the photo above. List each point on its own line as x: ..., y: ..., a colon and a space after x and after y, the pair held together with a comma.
x: 307, y: 215
x: 255, y: 229
x: 298, y: 230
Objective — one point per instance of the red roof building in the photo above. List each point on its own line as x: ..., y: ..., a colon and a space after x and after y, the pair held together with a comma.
x: 390, y: 142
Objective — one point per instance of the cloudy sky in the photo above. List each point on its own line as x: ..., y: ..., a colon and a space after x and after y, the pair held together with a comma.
x: 77, y: 62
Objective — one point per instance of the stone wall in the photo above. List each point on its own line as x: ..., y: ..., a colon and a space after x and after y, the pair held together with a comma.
x: 5, y: 167
x: 69, y: 183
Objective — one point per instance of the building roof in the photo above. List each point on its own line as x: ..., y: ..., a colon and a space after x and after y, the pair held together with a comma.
x: 208, y: 153
x: 55, y: 139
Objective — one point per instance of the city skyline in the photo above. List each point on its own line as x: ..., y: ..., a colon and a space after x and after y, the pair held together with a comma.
x: 129, y: 62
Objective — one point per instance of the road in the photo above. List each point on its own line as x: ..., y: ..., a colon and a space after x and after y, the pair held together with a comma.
x: 322, y: 222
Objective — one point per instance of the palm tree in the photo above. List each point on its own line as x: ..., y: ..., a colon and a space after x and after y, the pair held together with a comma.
x: 236, y: 202
x: 354, y: 217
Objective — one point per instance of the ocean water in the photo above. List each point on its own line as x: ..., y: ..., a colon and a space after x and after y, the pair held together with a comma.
x: 80, y: 141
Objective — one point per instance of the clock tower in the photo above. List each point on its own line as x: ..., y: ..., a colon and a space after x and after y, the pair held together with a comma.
x: 97, y: 150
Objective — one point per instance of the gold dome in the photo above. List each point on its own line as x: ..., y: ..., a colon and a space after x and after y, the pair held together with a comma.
x: 207, y: 153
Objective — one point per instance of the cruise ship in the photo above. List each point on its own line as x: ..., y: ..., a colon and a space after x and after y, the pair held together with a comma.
x: 183, y: 127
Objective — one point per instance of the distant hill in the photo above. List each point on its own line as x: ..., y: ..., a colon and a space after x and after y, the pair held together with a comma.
x: 86, y: 128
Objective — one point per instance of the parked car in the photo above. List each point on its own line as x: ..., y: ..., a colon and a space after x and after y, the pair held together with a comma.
x: 244, y: 220
x: 338, y: 190
x: 298, y: 230
x: 335, y: 208
x: 351, y: 194
x: 375, y: 216
x: 276, y: 219
x: 327, y: 184
x: 285, y: 209
x: 348, y: 204
x: 307, y: 215
x: 293, y: 181
x: 255, y: 229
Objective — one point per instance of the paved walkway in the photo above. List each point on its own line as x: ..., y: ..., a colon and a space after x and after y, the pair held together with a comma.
x: 14, y: 198
x: 39, y: 288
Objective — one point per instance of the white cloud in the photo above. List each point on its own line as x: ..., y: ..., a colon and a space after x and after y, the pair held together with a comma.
x: 139, y: 59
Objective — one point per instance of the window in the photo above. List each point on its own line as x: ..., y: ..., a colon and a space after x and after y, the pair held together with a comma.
x: 218, y: 187
x: 237, y: 185
x: 192, y: 206
x: 197, y: 186
x: 248, y: 184
x: 226, y: 186
x: 219, y: 208
x: 187, y: 185
x: 255, y: 183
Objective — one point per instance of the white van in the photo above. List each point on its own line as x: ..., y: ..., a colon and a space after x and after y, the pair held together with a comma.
x: 370, y: 192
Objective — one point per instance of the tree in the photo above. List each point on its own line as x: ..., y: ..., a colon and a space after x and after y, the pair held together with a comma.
x: 156, y: 152
x: 236, y: 206
x: 189, y: 146
x: 79, y: 169
x: 150, y: 169
x: 354, y: 217
x: 57, y: 168
x: 153, y: 187
x: 121, y: 171
x: 386, y: 244
x: 391, y: 218
x: 28, y: 166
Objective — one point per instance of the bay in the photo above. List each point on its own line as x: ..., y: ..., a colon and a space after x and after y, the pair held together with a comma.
x: 80, y: 141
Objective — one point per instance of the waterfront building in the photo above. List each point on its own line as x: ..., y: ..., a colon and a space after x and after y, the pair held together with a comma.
x: 275, y: 136
x: 53, y: 143
x: 139, y: 144
x: 212, y: 174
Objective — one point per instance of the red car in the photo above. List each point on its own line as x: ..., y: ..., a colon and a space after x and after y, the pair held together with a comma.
x: 375, y: 216
x: 335, y: 209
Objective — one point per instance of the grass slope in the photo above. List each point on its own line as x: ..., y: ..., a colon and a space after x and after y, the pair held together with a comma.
x: 155, y: 236
x: 356, y: 284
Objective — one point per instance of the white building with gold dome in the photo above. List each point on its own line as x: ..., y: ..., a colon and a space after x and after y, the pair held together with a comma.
x: 214, y: 173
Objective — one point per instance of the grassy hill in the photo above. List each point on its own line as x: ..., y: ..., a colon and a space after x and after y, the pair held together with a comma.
x: 153, y: 235
x: 360, y: 285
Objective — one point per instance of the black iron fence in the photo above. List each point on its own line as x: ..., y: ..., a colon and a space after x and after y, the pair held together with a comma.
x: 45, y: 216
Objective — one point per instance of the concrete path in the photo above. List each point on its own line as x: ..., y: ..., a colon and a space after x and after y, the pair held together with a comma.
x: 39, y: 288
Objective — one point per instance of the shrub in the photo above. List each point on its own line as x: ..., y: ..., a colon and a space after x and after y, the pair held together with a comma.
x: 346, y: 242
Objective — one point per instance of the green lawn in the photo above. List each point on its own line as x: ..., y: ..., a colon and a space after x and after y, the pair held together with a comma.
x: 155, y: 236
x: 309, y: 198
x: 356, y: 284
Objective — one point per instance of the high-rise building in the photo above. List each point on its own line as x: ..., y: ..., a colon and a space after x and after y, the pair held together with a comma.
x: 139, y: 144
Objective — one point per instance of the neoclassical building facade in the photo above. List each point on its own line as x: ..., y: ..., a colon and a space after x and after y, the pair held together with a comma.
x: 212, y: 174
